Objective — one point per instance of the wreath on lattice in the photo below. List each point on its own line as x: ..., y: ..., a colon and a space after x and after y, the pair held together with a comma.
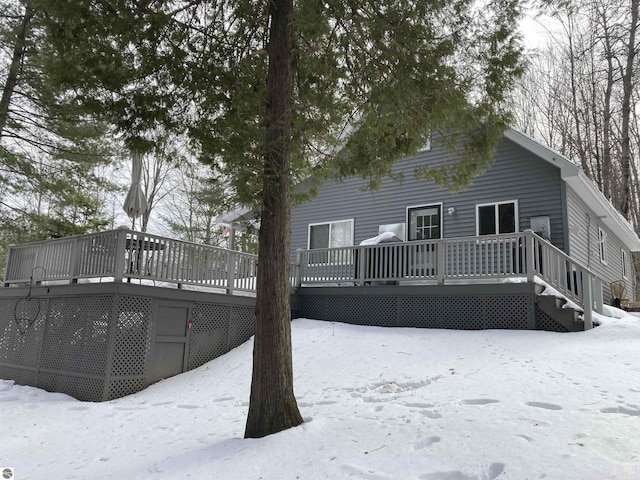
x: 27, y: 309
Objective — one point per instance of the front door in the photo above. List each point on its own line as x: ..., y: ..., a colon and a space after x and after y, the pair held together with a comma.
x: 425, y: 223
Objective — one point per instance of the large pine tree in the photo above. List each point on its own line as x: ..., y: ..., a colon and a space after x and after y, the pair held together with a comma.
x: 273, y: 92
x: 50, y: 146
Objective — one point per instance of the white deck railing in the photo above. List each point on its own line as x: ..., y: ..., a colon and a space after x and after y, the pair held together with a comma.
x: 126, y: 254
x: 496, y: 257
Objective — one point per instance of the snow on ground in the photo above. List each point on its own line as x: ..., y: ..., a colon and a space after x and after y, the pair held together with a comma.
x: 379, y: 403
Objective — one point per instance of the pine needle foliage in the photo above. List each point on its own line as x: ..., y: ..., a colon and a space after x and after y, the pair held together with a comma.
x: 275, y: 92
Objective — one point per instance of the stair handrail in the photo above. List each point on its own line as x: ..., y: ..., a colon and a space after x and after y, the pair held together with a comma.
x: 568, y: 276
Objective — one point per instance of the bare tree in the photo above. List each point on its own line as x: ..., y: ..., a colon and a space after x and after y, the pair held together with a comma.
x: 579, y: 94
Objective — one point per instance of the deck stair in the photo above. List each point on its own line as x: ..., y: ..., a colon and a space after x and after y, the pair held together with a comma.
x: 570, y: 318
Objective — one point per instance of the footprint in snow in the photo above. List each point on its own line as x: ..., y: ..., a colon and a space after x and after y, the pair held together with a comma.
x: 623, y: 410
x: 546, y: 406
x: 418, y: 405
x: 430, y: 414
x: 479, y: 401
x: 425, y: 442
x: 494, y: 470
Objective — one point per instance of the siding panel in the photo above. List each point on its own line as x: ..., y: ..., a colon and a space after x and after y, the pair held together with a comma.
x: 516, y: 175
x: 583, y: 246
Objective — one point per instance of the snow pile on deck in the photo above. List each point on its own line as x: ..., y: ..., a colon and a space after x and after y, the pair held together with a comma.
x: 379, y: 404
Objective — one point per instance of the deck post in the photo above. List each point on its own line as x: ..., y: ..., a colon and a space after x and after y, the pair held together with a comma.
x: 587, y: 302
x: 362, y: 264
x: 598, y: 296
x: 8, y: 265
x: 440, y: 252
x: 119, y: 259
x: 231, y: 271
x: 76, y: 253
x: 298, y: 269
x: 37, y: 264
x: 529, y: 254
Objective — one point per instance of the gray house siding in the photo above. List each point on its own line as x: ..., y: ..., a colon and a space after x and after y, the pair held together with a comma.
x: 584, y: 246
x: 516, y: 175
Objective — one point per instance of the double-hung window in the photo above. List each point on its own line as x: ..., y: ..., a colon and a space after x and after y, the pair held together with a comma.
x: 602, y: 245
x: 496, y: 218
x: 331, y: 235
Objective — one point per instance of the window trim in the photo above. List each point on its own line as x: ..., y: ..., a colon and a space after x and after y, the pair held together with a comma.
x: 427, y: 146
x: 603, y: 250
x: 623, y: 257
x: 496, y: 205
x: 440, y: 206
x: 329, y: 222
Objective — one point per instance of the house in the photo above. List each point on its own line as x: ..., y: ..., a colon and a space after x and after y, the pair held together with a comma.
x: 72, y: 320
x: 530, y: 186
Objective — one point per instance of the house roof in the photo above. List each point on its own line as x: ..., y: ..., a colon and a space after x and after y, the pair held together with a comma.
x: 236, y: 215
x: 583, y: 186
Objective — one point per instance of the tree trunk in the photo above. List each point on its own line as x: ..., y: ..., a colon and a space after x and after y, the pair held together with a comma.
x: 627, y: 87
x: 577, y: 140
x: 17, y: 59
x: 273, y: 406
x: 606, y: 111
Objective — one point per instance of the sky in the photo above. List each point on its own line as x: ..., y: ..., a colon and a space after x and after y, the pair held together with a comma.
x: 378, y: 404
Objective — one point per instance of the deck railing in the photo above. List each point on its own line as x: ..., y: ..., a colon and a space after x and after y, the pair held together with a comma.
x: 497, y: 257
x: 127, y: 254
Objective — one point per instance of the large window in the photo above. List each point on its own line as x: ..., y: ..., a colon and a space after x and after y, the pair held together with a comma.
x: 425, y: 222
x: 495, y: 218
x: 331, y: 234
x: 602, y: 245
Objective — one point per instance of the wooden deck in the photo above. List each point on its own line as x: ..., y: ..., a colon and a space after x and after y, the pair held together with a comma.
x: 467, y: 261
x: 108, y: 339
x: 124, y: 255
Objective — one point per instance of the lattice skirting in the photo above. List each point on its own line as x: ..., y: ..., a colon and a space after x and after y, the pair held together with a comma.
x: 462, y: 312
x: 100, y: 347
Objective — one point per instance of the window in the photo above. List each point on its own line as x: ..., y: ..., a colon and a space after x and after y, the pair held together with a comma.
x: 602, y: 245
x: 425, y: 222
x: 331, y: 234
x: 495, y: 218
x: 623, y: 256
